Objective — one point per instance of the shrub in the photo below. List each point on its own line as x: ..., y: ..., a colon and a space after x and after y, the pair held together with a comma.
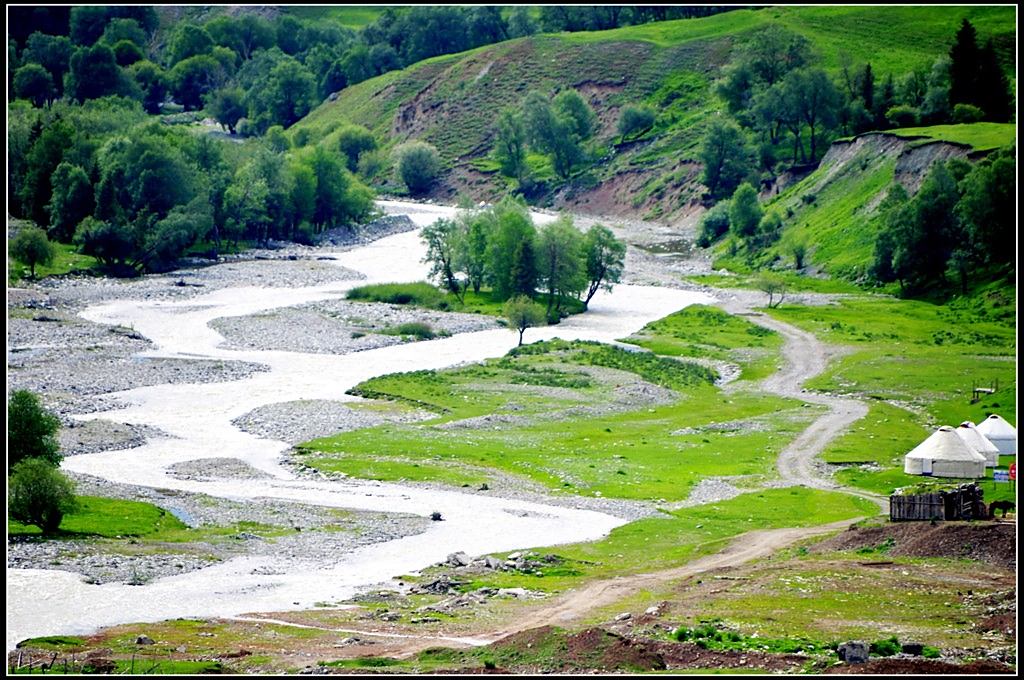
x: 714, y: 224
x: 418, y: 165
x: 31, y: 430
x: 887, y: 647
x: 420, y: 294
x: 903, y: 116
x: 353, y: 141
x: 967, y: 113
x: 422, y: 331
x: 930, y: 652
x: 32, y: 247
x: 634, y: 119
x: 371, y: 163
x: 38, y: 494
x: 799, y: 251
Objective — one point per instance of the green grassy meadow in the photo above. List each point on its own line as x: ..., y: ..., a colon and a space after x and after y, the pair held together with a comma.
x: 980, y: 136
x: 702, y: 331
x: 532, y: 400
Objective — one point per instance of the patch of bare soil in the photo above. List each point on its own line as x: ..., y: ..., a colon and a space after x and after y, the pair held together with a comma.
x: 590, y: 649
x: 679, y: 655
x: 993, y: 543
x: 920, y: 667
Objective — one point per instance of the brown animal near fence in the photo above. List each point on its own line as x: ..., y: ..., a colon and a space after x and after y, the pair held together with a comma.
x: 1000, y: 505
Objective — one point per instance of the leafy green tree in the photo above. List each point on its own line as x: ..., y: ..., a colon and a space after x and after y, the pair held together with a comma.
x: 580, y: 119
x: 195, y: 77
x: 553, y: 131
x: 340, y: 198
x: 774, y: 51
x: 521, y: 313
x: 936, y: 107
x: 768, y: 229
x: 124, y: 29
x: 927, y: 239
x: 523, y: 272
x: 184, y: 226
x: 94, y: 73
x: 34, y: 83
x: 714, y: 224
x: 189, y: 40
x: 227, y: 106
x: 31, y: 430
x: 88, y: 23
x: 52, y: 52
x: 521, y: 23
x: 605, y: 259
x: 127, y: 53
x: 745, y: 211
x: 276, y: 140
x: 635, y: 119
x: 31, y: 247
x: 726, y: 157
x: 357, y: 65
x: 510, y: 148
x: 290, y: 92
x: 442, y: 239
x: 815, y: 99
x: 38, y: 494
x: 383, y: 58
x: 70, y: 202
x: 987, y: 209
x: 512, y: 227
x: 43, y: 157
x: 301, y: 195
x: 153, y: 82
x: 561, y: 260
x: 418, y: 165
x: 112, y: 244
x: 772, y: 285
x: 471, y: 251
x: 353, y: 140
x: 893, y: 214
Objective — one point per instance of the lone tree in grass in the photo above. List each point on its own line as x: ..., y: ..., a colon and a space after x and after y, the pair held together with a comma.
x: 31, y: 430
x: 772, y: 285
x: 523, y: 313
x: 38, y: 494
x: 32, y: 247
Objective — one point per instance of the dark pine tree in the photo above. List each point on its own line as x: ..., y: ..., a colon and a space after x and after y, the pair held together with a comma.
x: 524, y: 269
x: 993, y: 89
x: 963, y: 69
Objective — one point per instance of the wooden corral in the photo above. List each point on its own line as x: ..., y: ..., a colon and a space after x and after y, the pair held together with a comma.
x: 964, y: 502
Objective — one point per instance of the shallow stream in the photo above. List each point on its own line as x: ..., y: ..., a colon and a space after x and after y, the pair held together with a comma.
x: 197, y: 420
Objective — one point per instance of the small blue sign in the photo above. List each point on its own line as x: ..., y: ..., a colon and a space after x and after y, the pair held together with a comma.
x: 1000, y: 475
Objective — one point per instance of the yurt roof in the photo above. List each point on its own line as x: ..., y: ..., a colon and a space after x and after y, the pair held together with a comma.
x: 994, y: 427
x: 975, y: 439
x: 945, y: 444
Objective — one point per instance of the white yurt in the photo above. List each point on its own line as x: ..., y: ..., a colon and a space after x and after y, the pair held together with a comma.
x: 1000, y: 433
x: 979, y: 442
x: 944, y: 454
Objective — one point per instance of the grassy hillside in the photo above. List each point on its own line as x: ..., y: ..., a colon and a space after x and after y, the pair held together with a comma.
x: 833, y: 210
x: 453, y: 101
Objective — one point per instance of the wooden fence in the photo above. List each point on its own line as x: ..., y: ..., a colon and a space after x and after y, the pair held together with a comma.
x: 964, y: 502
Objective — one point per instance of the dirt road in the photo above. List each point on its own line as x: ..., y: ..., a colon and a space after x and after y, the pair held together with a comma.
x: 804, y: 357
